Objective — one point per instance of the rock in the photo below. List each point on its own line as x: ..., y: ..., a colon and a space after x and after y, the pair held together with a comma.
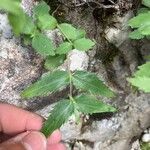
x: 76, y: 60
x: 20, y: 67
x: 118, y: 34
x: 146, y: 137
x: 136, y: 145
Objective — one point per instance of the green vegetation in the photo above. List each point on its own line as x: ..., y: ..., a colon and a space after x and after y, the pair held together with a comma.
x: 88, y: 85
x: 141, y: 24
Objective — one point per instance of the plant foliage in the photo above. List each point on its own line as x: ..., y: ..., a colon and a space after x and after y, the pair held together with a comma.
x: 141, y: 24
x: 31, y: 29
x: 141, y: 78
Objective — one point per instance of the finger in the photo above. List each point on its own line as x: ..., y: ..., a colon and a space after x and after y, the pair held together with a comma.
x: 14, y: 120
x: 30, y: 141
x: 59, y: 146
x: 54, y: 138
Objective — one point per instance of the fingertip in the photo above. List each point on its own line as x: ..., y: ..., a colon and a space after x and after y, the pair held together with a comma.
x: 34, y: 122
x: 59, y: 146
x: 54, y: 138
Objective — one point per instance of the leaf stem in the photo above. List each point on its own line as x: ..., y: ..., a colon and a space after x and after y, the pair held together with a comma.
x: 70, y: 81
x: 64, y: 34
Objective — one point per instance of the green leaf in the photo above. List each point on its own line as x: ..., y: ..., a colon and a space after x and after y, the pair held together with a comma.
x: 145, y: 30
x: 136, y: 35
x: 80, y: 33
x: 146, y: 3
x: 88, y: 104
x: 144, y: 70
x: 90, y: 82
x: 41, y: 9
x: 141, y: 78
x: 64, y: 48
x: 49, y: 83
x: 143, y: 10
x: 140, y: 20
x: 17, y: 21
x: 143, y: 83
x: 43, y: 45
x: 83, y: 44
x: 47, y: 22
x: 54, y: 61
x: 11, y: 6
x: 29, y: 27
x: 68, y: 30
x: 59, y: 115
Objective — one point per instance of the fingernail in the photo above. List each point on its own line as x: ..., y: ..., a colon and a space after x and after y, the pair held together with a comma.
x: 34, y: 141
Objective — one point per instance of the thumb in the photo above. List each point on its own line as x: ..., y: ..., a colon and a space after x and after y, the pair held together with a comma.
x: 31, y: 141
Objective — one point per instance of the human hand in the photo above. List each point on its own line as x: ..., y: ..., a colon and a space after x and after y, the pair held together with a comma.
x: 23, y: 128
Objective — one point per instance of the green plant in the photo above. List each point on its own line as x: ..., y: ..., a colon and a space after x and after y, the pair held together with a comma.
x: 141, y: 23
x: 145, y: 146
x: 87, y: 84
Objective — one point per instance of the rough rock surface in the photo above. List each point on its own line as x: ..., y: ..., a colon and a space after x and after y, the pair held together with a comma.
x: 20, y: 66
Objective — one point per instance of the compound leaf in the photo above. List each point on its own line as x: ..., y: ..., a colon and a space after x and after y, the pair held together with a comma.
x: 90, y: 82
x: 54, y: 61
x: 68, y: 30
x: 64, y: 48
x: 47, y: 22
x: 89, y: 104
x: 43, y: 45
x: 83, y: 44
x: 41, y: 9
x: 49, y: 83
x: 59, y: 115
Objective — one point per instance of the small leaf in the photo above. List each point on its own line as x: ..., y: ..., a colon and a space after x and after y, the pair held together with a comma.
x: 43, y: 45
x: 49, y: 83
x: 54, y: 61
x: 29, y: 27
x: 140, y: 20
x: 68, y: 30
x: 145, y: 30
x: 88, y: 104
x: 143, y: 70
x: 41, y: 9
x: 47, y: 22
x: 146, y: 3
x: 80, y: 33
x: 11, y: 6
x: 17, y: 21
x: 136, y: 35
x: 83, y: 44
x: 59, y: 115
x: 90, y: 82
x: 143, y: 83
x: 141, y: 78
x: 64, y: 48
